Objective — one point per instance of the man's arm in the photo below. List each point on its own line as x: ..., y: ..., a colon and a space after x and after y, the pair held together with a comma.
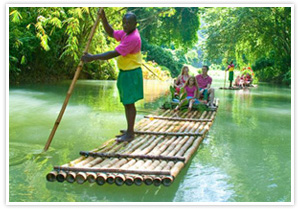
x: 104, y: 56
x: 109, y: 30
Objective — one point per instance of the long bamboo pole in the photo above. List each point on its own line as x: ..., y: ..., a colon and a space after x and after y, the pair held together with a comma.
x: 79, y: 67
x: 152, y: 72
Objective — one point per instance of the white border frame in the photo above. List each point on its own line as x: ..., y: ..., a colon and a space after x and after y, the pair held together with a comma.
x: 154, y: 5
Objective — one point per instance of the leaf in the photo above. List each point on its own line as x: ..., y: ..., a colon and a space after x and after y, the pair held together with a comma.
x: 56, y: 22
x: 172, y: 90
x: 186, y: 102
x: 16, y: 16
x: 183, y: 96
x: 181, y: 91
x: 23, y: 60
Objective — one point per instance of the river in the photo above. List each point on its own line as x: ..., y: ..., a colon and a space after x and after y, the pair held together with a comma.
x: 246, y: 156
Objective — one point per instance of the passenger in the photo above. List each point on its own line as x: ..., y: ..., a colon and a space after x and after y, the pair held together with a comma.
x: 205, y: 90
x: 192, y: 90
x: 237, y: 81
x: 182, y: 78
x: 248, y: 79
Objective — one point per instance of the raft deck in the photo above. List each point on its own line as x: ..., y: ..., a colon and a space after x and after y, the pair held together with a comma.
x: 163, y: 145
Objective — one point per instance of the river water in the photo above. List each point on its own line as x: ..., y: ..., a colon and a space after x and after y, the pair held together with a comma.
x: 246, y: 156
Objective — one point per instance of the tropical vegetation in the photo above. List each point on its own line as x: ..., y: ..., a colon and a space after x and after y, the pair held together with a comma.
x: 46, y: 43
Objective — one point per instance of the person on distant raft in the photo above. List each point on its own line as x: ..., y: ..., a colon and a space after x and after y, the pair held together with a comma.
x: 129, y: 61
x: 230, y: 69
x: 192, y: 90
x: 182, y: 78
x: 205, y: 90
x: 248, y: 79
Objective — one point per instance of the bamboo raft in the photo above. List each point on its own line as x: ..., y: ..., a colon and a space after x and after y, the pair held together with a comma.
x: 238, y: 88
x: 163, y: 145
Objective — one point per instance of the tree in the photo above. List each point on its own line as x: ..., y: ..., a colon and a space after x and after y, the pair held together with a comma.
x: 256, y: 36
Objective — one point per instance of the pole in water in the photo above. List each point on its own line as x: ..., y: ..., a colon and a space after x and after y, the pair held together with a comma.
x: 79, y: 67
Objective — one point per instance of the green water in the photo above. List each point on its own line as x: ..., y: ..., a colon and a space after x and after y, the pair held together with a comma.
x: 246, y: 157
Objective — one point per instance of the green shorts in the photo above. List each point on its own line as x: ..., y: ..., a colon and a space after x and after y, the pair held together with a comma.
x: 130, y: 85
x: 230, y: 76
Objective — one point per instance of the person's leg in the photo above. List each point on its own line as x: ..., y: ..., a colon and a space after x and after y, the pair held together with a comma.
x: 211, y: 93
x: 130, y: 112
x: 191, y: 102
x: 179, y: 105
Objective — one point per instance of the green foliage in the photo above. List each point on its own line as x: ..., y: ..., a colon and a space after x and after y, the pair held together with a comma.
x: 163, y: 57
x: 167, y: 26
x: 252, y: 36
x: 168, y: 34
x: 47, y: 43
x: 172, y: 91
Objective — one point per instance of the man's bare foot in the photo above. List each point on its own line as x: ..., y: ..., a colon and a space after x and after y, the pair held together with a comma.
x: 125, y: 137
x: 118, y: 136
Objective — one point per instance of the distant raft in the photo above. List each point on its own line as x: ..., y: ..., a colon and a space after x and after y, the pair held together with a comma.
x: 238, y: 87
x: 164, y: 143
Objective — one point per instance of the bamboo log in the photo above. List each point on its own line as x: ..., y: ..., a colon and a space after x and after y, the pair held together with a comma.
x: 129, y: 180
x: 148, y: 180
x: 177, y: 118
x: 116, y: 155
x: 138, y: 180
x: 109, y: 170
x: 146, y: 123
x: 120, y: 179
x: 61, y: 176
x: 71, y: 177
x: 101, y: 178
x: 110, y: 178
x: 81, y: 177
x: 91, y: 177
x: 166, y: 133
x: 79, y: 67
x: 51, y: 176
x: 155, y: 123
x: 157, y: 181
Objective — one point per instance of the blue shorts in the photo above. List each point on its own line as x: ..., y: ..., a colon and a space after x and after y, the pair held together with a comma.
x: 188, y: 98
x: 196, y: 100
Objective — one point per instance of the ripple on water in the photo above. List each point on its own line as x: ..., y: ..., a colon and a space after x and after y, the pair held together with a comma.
x: 21, y: 152
x: 204, y: 184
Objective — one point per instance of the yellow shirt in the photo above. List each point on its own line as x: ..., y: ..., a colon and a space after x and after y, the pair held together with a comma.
x: 130, y: 61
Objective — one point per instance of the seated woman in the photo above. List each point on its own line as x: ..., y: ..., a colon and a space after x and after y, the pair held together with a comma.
x: 181, y: 79
x: 237, y: 81
x: 192, y: 90
x: 248, y: 79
